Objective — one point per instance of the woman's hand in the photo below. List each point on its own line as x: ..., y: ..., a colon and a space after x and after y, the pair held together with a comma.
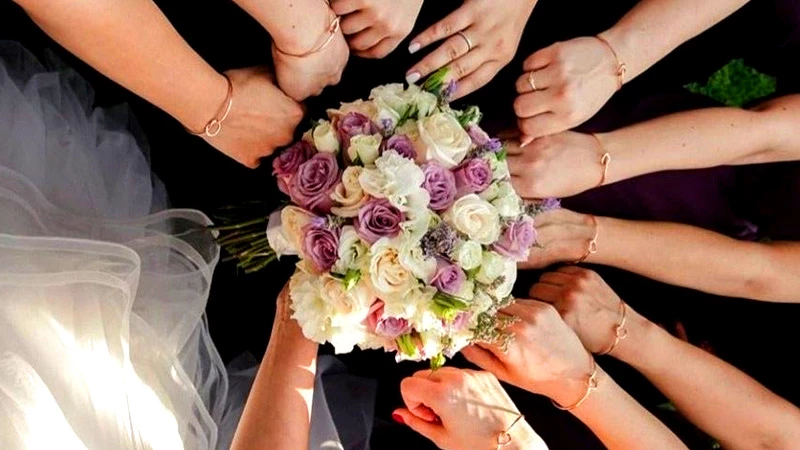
x: 545, y: 357
x: 301, y: 77
x: 563, y: 236
x: 573, y: 80
x: 261, y: 120
x: 482, y: 37
x: 374, y: 28
x: 463, y: 410
x: 561, y: 165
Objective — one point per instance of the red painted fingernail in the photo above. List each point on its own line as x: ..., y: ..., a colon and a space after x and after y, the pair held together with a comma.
x: 398, y: 418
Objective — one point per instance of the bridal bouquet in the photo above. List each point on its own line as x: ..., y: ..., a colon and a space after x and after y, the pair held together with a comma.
x: 406, y: 224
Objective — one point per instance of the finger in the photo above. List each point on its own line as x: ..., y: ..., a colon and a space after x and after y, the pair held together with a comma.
x: 433, y: 431
x: 555, y: 278
x: 539, y: 59
x: 418, y: 395
x: 355, y: 23
x: 538, y: 126
x: 450, y: 25
x: 365, y: 39
x: 483, y: 358
x: 549, y: 293
x: 540, y: 79
x: 345, y: 7
x: 449, y: 51
x: 382, y: 50
x: 475, y: 80
x: 571, y: 271
x: 534, y: 103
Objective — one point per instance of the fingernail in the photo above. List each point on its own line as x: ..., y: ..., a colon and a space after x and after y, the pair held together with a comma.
x: 413, y: 77
x: 525, y: 142
x: 398, y: 418
x: 414, y: 48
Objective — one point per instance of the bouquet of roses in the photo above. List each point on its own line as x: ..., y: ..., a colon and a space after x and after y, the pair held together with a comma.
x: 406, y: 224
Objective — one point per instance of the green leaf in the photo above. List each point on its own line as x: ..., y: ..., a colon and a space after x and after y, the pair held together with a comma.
x: 447, y: 307
x: 502, y: 154
x: 435, y: 82
x: 437, y: 362
x: 406, y: 345
x: 351, y: 279
x: 735, y: 84
x: 472, y: 116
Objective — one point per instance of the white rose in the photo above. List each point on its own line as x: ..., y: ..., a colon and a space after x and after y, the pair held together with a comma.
x: 308, y: 308
x: 492, y: 192
x: 387, y: 274
x: 348, y: 193
x: 415, y: 306
x: 278, y: 241
x: 424, y: 101
x: 392, y: 95
x: 468, y: 255
x: 353, y: 252
x: 414, y: 259
x: 293, y: 221
x: 499, y: 168
x: 508, y: 203
x: 509, y: 274
x: 373, y: 182
x: 444, y: 140
x: 476, y: 218
x: 365, y: 148
x: 348, y: 308
x: 325, y: 138
x: 492, y: 267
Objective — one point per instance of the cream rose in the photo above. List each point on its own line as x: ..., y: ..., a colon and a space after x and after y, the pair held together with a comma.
x: 387, y: 274
x: 293, y: 221
x: 349, y: 194
x: 499, y: 168
x: 348, y: 308
x: 492, y: 267
x: 365, y: 148
x: 476, y: 218
x: 468, y: 255
x: 353, y: 252
x: 367, y: 108
x: 507, y: 202
x: 414, y: 259
x: 444, y: 139
x: 325, y: 138
x: 509, y: 274
x: 278, y: 241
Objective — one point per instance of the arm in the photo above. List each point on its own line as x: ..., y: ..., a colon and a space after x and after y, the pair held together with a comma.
x: 278, y: 411
x: 295, y: 26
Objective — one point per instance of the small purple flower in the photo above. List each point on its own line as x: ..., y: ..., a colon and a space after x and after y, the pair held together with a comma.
x: 321, y: 247
x: 439, y: 241
x: 354, y: 124
x: 472, y: 176
x: 285, y: 165
x: 387, y: 125
x: 440, y: 184
x: 313, y: 183
x: 449, y: 278
x: 450, y: 90
x: 549, y: 204
x: 517, y: 239
x: 482, y: 140
x: 377, y: 219
x: 402, y: 145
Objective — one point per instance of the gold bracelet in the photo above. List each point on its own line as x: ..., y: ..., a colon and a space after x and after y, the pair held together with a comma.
x: 605, y: 160
x: 591, y: 386
x: 504, y: 438
x: 622, y: 68
x: 214, y: 126
x: 620, y: 332
x: 333, y: 28
x: 592, y: 248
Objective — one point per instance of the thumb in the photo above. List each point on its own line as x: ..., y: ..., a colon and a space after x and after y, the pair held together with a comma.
x: 433, y: 431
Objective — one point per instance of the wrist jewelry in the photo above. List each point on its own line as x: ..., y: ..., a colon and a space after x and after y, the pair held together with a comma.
x: 504, y: 438
x: 605, y: 161
x: 621, y: 67
x: 591, y: 386
x: 592, y: 248
x: 333, y: 28
x: 214, y: 126
x: 620, y: 332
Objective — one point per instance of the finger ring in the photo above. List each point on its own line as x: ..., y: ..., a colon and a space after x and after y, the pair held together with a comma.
x: 466, y: 39
x: 532, y: 82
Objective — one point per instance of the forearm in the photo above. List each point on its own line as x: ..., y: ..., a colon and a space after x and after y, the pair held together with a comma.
x: 710, y: 392
x: 706, y: 138
x: 278, y: 411
x: 133, y: 43
x: 620, y: 422
x: 654, y: 28
x: 692, y: 257
x: 296, y: 26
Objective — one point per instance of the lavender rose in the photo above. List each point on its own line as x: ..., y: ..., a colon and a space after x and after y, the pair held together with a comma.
x: 321, y: 247
x: 473, y: 177
x: 402, y: 145
x: 449, y: 278
x: 285, y: 165
x: 517, y: 239
x: 315, y: 180
x: 354, y: 124
x: 377, y: 219
x: 440, y: 184
x: 482, y: 140
x: 389, y: 327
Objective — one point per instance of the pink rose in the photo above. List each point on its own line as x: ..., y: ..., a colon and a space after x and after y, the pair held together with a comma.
x: 472, y: 177
x: 321, y: 246
x: 517, y: 239
x: 285, y: 165
x: 388, y: 327
x: 315, y: 180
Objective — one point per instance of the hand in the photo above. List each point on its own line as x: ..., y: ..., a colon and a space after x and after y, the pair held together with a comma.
x: 494, y: 30
x: 545, y: 357
x: 261, y: 120
x: 561, y: 165
x: 306, y: 76
x: 562, y: 235
x: 462, y: 410
x: 374, y: 28
x: 573, y: 80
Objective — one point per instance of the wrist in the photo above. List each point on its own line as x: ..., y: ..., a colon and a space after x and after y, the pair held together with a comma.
x: 626, y: 162
x: 524, y: 438
x: 207, y: 93
x: 622, y: 42
x: 310, y: 32
x: 641, y: 341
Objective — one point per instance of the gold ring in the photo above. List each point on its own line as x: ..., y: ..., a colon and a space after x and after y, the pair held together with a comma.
x: 466, y: 39
x: 532, y: 82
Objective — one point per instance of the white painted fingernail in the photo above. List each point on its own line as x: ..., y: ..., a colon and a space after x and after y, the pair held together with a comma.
x: 414, y: 47
x: 413, y: 77
x: 525, y: 142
